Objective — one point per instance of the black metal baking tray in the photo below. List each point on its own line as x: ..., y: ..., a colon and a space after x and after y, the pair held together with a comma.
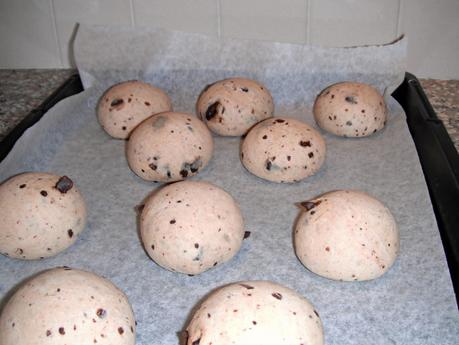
x: 438, y: 156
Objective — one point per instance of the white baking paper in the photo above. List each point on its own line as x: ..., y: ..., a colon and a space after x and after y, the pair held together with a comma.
x: 412, y: 304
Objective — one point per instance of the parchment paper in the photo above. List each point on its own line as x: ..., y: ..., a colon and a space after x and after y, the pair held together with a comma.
x: 412, y: 304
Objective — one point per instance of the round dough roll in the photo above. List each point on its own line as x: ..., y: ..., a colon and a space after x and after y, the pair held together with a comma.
x: 191, y: 226
x: 123, y: 106
x: 346, y: 235
x: 350, y: 110
x: 230, y: 107
x: 255, y: 312
x: 67, y: 306
x: 282, y: 149
x: 41, y: 215
x: 169, y: 147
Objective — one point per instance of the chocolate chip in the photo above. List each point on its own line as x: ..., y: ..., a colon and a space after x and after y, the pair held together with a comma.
x: 305, y: 143
x: 169, y: 174
x: 172, y: 221
x: 280, y: 120
x: 311, y: 154
x: 147, y: 103
x: 254, y: 322
x: 348, y: 123
x: 289, y: 158
x: 277, y: 295
x: 120, y: 330
x: 350, y: 99
x: 153, y: 246
x: 212, y: 110
x: 61, y: 330
x: 48, y: 333
x: 101, y: 313
x: 246, y: 234
x: 64, y: 184
x: 248, y: 287
x: 244, y: 89
x: 268, y: 164
x: 265, y: 136
x: 117, y: 102
x: 22, y: 186
x: 70, y: 233
x: 124, y: 128
x: 196, y: 245
x: 44, y: 193
x: 309, y: 205
x: 183, y: 173
x: 315, y: 312
x: 153, y: 166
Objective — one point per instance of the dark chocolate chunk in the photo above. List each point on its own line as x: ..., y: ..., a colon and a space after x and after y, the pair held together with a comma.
x: 117, y: 102
x: 248, y: 287
x: 48, y: 333
x: 311, y: 154
x: 268, y: 164
x: 153, y: 166
x: 101, y: 313
x: 147, y: 104
x: 350, y: 99
x: 265, y: 136
x: 315, y: 312
x: 277, y: 295
x: 61, y: 330
x: 70, y: 233
x: 244, y: 89
x: 44, y: 193
x: 212, y: 110
x: 196, y: 245
x: 289, y: 158
x: 183, y: 173
x: 22, y: 185
x: 120, y: 330
x: 64, y: 184
x: 280, y: 120
x: 246, y: 234
x: 305, y: 143
x: 169, y: 175
x: 124, y: 128
x: 172, y: 221
x: 348, y: 123
x: 309, y: 205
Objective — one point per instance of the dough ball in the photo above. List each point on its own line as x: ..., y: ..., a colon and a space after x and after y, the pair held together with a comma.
x: 350, y: 109
x: 169, y: 147
x: 346, y: 235
x: 191, y: 226
x: 231, y: 106
x: 41, y: 215
x: 255, y: 312
x: 123, y: 106
x: 67, y: 306
x: 283, y: 149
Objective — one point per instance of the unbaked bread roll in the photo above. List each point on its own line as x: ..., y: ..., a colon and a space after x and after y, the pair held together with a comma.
x: 67, y: 306
x: 169, y: 147
x: 123, y: 106
x: 190, y: 227
x: 346, y: 235
x: 255, y: 312
x: 350, y: 109
x: 282, y: 149
x: 40, y: 215
x: 231, y: 106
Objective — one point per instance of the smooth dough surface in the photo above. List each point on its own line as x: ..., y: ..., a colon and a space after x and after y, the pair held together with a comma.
x: 255, y: 312
x: 67, y: 306
x: 41, y: 215
x: 123, y: 106
x: 346, y: 235
x: 350, y: 109
x: 169, y: 147
x: 191, y: 226
x: 282, y: 149
x: 230, y: 107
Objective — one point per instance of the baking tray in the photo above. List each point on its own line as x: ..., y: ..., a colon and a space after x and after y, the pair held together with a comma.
x: 438, y: 156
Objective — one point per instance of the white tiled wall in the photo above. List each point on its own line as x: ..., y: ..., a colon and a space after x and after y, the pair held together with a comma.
x: 37, y: 33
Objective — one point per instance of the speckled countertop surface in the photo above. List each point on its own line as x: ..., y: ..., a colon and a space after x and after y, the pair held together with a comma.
x: 23, y: 90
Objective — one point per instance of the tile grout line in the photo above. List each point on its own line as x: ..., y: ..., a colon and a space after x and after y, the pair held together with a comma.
x: 308, y: 21
x: 56, y: 36
x: 399, y: 18
x: 131, y: 9
x: 219, y: 19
